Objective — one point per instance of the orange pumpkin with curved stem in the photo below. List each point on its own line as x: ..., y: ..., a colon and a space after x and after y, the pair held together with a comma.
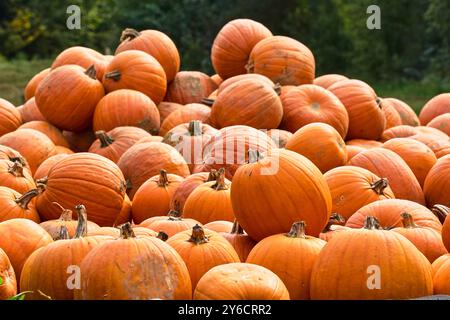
x: 310, y: 103
x: 388, y: 213
x: 165, y: 108
x: 16, y: 205
x: 49, y: 130
x: 441, y: 122
x: 29, y: 111
x: 333, y: 226
x: 320, y: 143
x: 435, y: 187
x: 151, y: 157
x: 10, y: 117
x: 204, y: 245
x: 283, y: 60
x: 136, y: 70
x: 387, y: 164
x: 20, y: 238
x: 405, y: 272
x: 271, y: 188
x: 327, y: 80
x: 438, y: 105
x: 366, y: 117
x: 240, y: 241
x: 114, y: 143
x: 69, y: 107
x: 219, y: 226
x: 15, y: 176
x: 154, y: 195
x: 190, y: 87
x: 406, y: 113
x: 291, y: 256
x: 8, y: 286
x: 427, y: 240
x: 30, y: 88
x: 139, y: 281
x: 125, y: 107
x: 240, y: 281
x: 352, y: 188
x: 192, y: 111
x: 156, y: 44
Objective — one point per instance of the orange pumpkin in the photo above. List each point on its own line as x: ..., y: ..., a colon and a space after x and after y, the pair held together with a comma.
x: 9, y: 154
x: 310, y: 103
x: 366, y: 117
x: 189, y: 112
x: 406, y: 113
x: 439, y: 262
x: 15, y: 176
x: 49, y: 130
x: 435, y: 107
x: 15, y: 205
x: 80, y: 141
x: 440, y: 279
x: 391, y: 114
x: 441, y: 122
x: 190, y: 87
x: 240, y: 241
x: 219, y: 226
x: 10, y: 117
x: 251, y: 76
x: 126, y: 107
x: 136, y: 70
x: 435, y: 186
x: 44, y: 168
x: 440, y: 147
x: 113, y: 144
x: 366, y: 144
x: 165, y: 108
x: 8, y: 286
x: 280, y: 137
x: 30, y: 88
x: 29, y: 111
x: 144, y: 160
x: 387, y: 164
x: 271, y: 188
x: 327, y: 80
x: 403, y: 131
x: 353, y: 187
x: 283, y: 60
x: 320, y: 143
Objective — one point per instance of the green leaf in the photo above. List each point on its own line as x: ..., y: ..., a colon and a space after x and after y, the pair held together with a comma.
x: 20, y: 296
x: 1, y: 281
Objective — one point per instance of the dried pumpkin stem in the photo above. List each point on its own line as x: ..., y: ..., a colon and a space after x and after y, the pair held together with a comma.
x: 115, y: 75
x: 440, y: 211
x: 25, y: 199
x: 18, y: 159
x: 82, y: 221
x: 379, y: 102
x: 254, y: 156
x: 277, y: 88
x: 66, y: 214
x: 63, y: 233
x: 379, y: 185
x: 105, y: 139
x: 372, y: 223
x: 175, y: 212
x: 298, y: 230
x: 212, y: 176
x: 126, y: 231
x: 198, y: 235
x: 16, y: 169
x: 220, y: 181
x: 129, y: 34
x: 208, y: 102
x: 163, y: 180
x: 195, y: 128
x: 162, y: 236
x: 335, y: 218
x: 236, y: 229
x: 250, y: 66
x: 407, y: 220
x: 91, y: 72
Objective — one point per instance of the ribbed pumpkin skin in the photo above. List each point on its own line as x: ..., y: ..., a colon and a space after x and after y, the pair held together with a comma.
x: 200, y: 258
x: 327, y: 80
x: 435, y: 107
x: 417, y: 156
x: 219, y: 226
x: 271, y: 190
x: 189, y: 112
x: 354, y: 187
x: 169, y: 225
x: 30, y: 88
x: 388, y: 213
x: 403, y: 131
x: 406, y: 113
x: 240, y: 281
x: 11, y: 209
x: 247, y: 102
x: 49, y: 130
x: 345, y: 262
x: 32, y: 144
x: 139, y: 268
x: 138, y: 71
x: 186, y: 187
x: 320, y: 143
x: 441, y: 122
x: 67, y: 97
x: 189, y: 87
x: 44, y: 168
x: 126, y: 107
x: 440, y: 280
x: 310, y: 103
x: 85, y: 178
x: 123, y: 138
x: 144, y: 160
x: 232, y: 46
x: 84, y: 57
x: 13, y: 175
x: 20, y: 238
x: 366, y: 117
x: 10, y: 118
x: 165, y: 108
x: 248, y: 76
x: 436, y: 183
x: 387, y: 164
x: 8, y: 288
x: 158, y: 45
x: 30, y: 112
x: 391, y: 114
x: 283, y: 60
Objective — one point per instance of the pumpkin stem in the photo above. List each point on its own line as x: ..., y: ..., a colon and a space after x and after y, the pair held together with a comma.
x: 129, y: 34
x: 440, y: 211
x: 407, y: 220
x: 254, y: 156
x: 18, y: 159
x: 128, y: 184
x: 298, y: 230
x: 175, y: 212
x: 162, y: 236
x: 115, y: 75
x: 250, y: 66
x: 372, y: 223
x: 16, y: 169
x: 91, y: 72
x: 195, y: 128
x: 163, y: 180
x: 335, y: 218
x: 379, y: 186
x: 277, y: 88
x: 198, y: 235
x: 126, y: 231
x: 82, y: 221
x: 212, y: 175
x: 220, y: 181
x: 66, y: 214
x: 105, y: 139
x: 236, y: 229
x: 208, y: 102
x: 25, y: 199
x: 63, y: 233
x: 379, y: 102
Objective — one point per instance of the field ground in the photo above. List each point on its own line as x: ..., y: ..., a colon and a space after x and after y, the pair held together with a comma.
x: 15, y: 74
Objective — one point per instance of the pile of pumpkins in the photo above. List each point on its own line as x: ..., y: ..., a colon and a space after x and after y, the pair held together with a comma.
x: 302, y: 187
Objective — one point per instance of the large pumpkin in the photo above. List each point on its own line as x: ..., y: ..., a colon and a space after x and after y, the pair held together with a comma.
x: 10, y: 118
x: 435, y: 107
x: 144, y: 160
x: 366, y: 117
x: 370, y: 264
x: 49, y: 130
x: 44, y: 168
x: 8, y: 285
x: 189, y: 112
x: 327, y: 80
x: 29, y: 111
x: 353, y: 187
x: 232, y: 46
x: 30, y: 88
x: 320, y: 143
x: 84, y: 178
x: 387, y: 164
x: 15, y: 205
x: 406, y: 113
x: 435, y: 187
x: 240, y: 281
x: 136, y: 70
x: 15, y: 176
x: 133, y: 268
x: 310, y: 103
x: 283, y: 60
x: 271, y: 187
x: 189, y: 87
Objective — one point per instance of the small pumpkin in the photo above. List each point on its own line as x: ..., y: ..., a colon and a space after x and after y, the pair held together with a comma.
x: 29, y: 111
x: 8, y: 284
x: 240, y: 241
x: 30, y: 88
x: 15, y: 205
x: 10, y: 117
x: 15, y: 176
x: 190, y: 87
x: 435, y: 186
x: 192, y: 111
x: 406, y: 113
x: 49, y: 130
x: 327, y: 80
x: 438, y: 105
